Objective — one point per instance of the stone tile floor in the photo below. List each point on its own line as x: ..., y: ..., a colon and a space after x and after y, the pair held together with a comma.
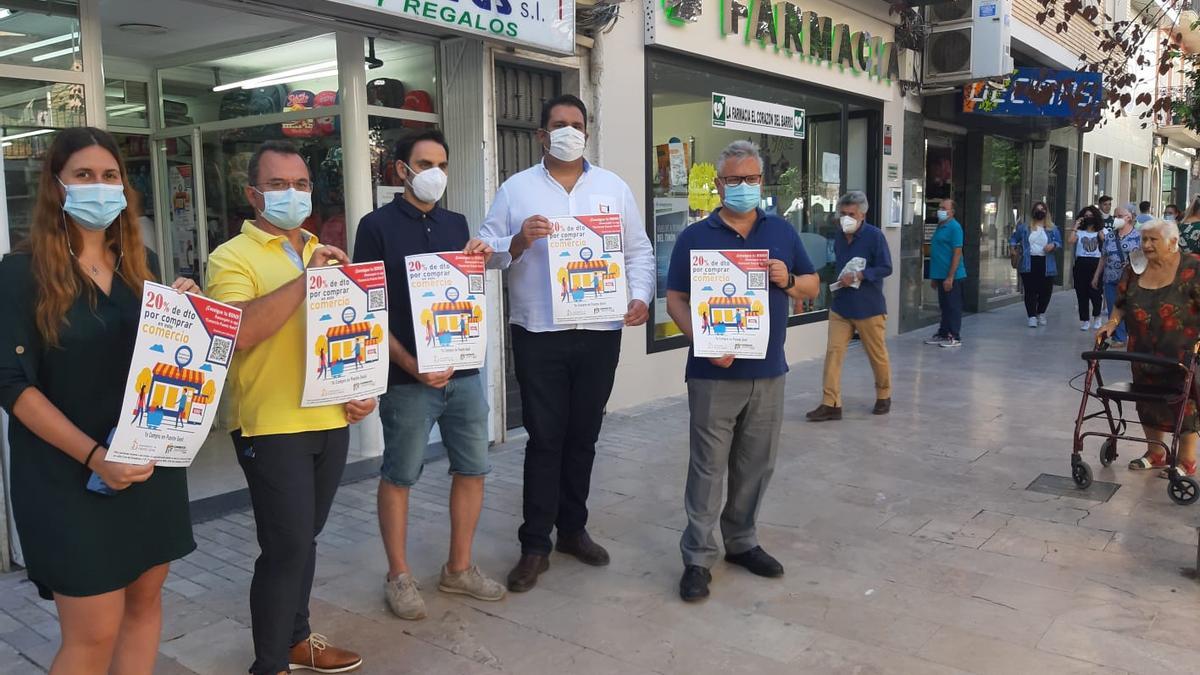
x: 910, y: 542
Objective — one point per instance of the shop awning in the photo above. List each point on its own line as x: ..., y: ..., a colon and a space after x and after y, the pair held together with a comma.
x: 588, y: 266
x: 1180, y: 135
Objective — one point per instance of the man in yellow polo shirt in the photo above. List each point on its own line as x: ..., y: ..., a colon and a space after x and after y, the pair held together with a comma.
x: 293, y: 457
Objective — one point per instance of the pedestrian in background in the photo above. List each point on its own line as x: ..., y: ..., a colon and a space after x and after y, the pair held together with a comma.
x: 947, y: 274
x: 1088, y: 238
x: 413, y: 224
x: 292, y: 457
x: 735, y: 405
x: 1106, y: 210
x: 565, y: 371
x: 1143, y: 216
x: 1117, y: 244
x: 72, y: 296
x: 858, y: 306
x: 1171, y: 212
x: 1038, y: 239
x: 1189, y: 228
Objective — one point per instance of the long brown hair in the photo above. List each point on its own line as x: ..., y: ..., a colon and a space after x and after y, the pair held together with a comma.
x: 57, y: 275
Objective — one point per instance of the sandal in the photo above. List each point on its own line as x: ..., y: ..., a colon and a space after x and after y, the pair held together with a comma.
x: 1180, y: 469
x: 1148, y: 462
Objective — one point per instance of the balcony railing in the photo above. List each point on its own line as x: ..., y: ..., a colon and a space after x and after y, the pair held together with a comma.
x: 1168, y: 118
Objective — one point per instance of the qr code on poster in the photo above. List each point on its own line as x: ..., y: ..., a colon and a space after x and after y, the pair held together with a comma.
x: 756, y: 280
x: 475, y: 283
x: 612, y: 242
x: 376, y: 299
x: 219, y: 350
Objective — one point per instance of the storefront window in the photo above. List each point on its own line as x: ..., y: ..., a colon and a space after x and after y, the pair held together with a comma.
x: 42, y: 34
x: 126, y: 103
x: 405, y: 77
x: 802, y: 180
x: 297, y: 76
x: 1001, y: 188
x: 1136, y: 176
x: 30, y: 112
x: 1100, y: 177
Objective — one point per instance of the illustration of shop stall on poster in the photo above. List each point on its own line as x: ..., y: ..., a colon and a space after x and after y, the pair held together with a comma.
x: 347, y: 355
x: 184, y: 346
x: 587, y: 276
x: 730, y: 304
x: 447, y: 291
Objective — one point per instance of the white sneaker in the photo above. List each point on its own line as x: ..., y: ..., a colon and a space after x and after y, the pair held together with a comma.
x: 1096, y: 323
x: 1033, y: 322
x: 471, y: 582
x: 1041, y: 319
x: 1085, y: 325
x: 951, y: 343
x: 404, y: 597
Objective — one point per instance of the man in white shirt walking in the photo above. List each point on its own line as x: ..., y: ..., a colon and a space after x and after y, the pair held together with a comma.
x: 565, y: 371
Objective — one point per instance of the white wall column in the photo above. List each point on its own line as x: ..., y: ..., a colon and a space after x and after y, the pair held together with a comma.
x: 356, y: 143
x: 93, y: 63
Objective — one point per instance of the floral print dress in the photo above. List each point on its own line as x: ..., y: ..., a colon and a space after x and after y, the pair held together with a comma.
x: 1163, y: 322
x: 1189, y: 237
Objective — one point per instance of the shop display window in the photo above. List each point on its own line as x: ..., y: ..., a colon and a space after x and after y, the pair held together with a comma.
x: 126, y: 104
x: 41, y: 34
x: 803, y: 177
x: 31, y: 112
x: 402, y: 75
x: 1003, y: 183
x: 286, y: 78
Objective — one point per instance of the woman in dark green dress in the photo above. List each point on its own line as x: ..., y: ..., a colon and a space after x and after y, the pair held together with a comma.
x: 1161, y: 309
x: 71, y: 298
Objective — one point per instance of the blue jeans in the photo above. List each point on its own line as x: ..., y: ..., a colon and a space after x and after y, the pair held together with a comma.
x: 1110, y: 298
x: 951, y: 305
x: 408, y: 413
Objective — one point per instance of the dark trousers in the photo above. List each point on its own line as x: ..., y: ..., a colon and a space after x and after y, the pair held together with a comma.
x: 951, y: 304
x: 1085, y: 269
x: 292, y: 480
x: 1038, y: 286
x: 565, y: 378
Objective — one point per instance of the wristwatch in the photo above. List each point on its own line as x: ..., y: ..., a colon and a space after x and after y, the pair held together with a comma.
x: 791, y: 281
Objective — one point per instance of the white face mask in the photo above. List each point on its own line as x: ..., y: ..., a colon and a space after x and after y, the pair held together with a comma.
x: 1137, y: 260
x: 849, y: 224
x: 943, y: 215
x: 567, y: 144
x: 429, y: 185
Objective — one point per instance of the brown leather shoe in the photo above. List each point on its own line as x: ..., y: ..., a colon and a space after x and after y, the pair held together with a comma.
x: 824, y: 413
x: 582, y: 547
x: 882, y: 406
x: 317, y: 655
x: 524, y: 576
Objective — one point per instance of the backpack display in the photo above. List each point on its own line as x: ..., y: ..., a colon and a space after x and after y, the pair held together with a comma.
x: 386, y: 91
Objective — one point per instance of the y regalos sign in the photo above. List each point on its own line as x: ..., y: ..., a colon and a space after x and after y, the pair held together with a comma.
x: 541, y: 24
x: 793, y: 32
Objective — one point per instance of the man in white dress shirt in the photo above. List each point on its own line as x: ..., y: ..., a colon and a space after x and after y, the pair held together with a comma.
x: 565, y: 371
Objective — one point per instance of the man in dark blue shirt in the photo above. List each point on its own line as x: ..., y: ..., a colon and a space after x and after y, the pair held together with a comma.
x: 412, y: 223
x: 736, y: 405
x: 863, y: 262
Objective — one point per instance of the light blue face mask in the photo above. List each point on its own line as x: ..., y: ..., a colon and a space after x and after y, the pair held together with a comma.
x: 743, y: 198
x: 94, y: 206
x: 286, y: 209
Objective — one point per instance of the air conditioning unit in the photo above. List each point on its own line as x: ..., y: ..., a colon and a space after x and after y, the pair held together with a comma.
x: 968, y: 40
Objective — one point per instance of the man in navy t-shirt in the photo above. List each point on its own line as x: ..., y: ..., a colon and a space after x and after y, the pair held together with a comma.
x: 736, y: 405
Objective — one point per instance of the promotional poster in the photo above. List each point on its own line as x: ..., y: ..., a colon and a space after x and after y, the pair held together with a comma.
x: 730, y: 304
x: 184, y: 346
x: 447, y: 294
x: 587, y: 275
x: 347, y: 350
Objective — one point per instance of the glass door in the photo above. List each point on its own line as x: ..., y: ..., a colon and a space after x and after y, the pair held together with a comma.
x: 183, y: 237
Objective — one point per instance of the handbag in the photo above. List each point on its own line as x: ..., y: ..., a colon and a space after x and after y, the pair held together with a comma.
x: 1014, y: 256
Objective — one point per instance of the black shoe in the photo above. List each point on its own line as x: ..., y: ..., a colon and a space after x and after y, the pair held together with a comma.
x: 582, y: 547
x: 693, y: 586
x: 525, y: 575
x: 824, y: 413
x: 882, y: 406
x: 757, y: 561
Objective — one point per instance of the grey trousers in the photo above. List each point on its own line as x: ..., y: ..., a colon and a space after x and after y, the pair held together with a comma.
x: 734, y: 425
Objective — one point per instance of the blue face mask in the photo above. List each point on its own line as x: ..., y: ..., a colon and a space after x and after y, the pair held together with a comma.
x: 94, y: 206
x: 743, y: 198
x: 286, y: 209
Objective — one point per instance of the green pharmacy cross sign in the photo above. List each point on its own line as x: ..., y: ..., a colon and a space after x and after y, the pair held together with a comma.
x: 762, y: 117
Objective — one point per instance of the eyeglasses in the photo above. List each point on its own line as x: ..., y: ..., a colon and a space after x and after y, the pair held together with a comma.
x: 734, y: 181
x: 302, y: 185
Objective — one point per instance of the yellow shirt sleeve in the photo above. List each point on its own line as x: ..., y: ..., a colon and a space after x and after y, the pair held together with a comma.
x: 230, y: 279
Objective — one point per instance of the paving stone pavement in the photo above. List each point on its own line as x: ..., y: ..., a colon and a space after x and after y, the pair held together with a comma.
x: 910, y: 542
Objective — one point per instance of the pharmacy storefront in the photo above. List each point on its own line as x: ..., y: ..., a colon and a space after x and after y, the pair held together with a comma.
x: 814, y: 84
x: 191, y: 88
